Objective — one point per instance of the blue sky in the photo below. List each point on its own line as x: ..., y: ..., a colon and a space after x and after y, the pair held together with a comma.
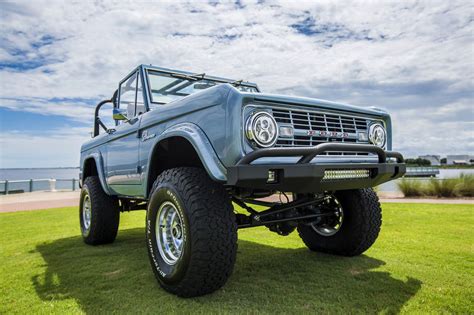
x: 414, y: 59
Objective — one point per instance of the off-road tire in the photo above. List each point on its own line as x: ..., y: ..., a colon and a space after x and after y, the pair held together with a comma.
x: 209, y: 230
x: 105, y: 214
x: 359, y: 230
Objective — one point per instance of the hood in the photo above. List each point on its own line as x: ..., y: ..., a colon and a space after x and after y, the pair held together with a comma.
x: 313, y: 103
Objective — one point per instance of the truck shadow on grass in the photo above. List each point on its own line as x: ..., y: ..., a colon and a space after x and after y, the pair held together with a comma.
x: 118, y: 278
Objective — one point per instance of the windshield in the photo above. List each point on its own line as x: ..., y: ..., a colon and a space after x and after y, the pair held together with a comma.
x: 165, y: 88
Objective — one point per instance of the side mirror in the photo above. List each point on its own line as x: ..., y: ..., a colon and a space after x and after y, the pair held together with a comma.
x: 119, y: 114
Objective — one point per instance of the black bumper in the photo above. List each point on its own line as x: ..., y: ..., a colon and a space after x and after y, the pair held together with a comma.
x: 305, y: 177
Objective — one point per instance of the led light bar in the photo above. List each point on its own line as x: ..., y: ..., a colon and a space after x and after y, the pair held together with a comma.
x: 346, y: 174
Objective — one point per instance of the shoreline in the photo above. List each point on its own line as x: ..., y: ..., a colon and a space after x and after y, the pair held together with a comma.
x: 39, y: 168
x: 41, y: 200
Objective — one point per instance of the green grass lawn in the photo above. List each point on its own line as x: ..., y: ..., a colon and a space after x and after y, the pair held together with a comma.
x: 422, y: 262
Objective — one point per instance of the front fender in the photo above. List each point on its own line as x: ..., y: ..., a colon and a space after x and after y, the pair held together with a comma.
x: 99, y: 162
x: 201, y: 145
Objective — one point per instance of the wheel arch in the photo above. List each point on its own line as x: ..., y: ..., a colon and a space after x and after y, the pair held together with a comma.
x: 183, y: 145
x: 93, y: 166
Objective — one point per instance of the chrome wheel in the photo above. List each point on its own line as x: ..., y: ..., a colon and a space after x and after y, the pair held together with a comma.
x: 169, y: 233
x: 86, y: 212
x: 330, y: 225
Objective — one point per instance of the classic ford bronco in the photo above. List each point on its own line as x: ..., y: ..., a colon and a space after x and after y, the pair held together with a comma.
x: 189, y: 147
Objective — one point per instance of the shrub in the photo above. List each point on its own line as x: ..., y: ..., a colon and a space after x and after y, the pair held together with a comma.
x: 465, y: 185
x: 412, y: 188
x: 442, y: 187
x: 462, y: 186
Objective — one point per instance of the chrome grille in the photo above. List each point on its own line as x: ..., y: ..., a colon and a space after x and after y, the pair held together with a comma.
x: 315, y: 127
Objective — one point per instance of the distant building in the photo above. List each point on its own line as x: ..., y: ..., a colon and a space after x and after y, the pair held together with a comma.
x: 459, y: 159
x: 434, y: 159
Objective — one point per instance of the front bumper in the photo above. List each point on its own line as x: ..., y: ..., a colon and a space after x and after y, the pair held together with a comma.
x: 304, y: 177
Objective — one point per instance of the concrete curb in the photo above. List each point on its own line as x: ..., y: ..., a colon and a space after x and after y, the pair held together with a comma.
x: 48, y: 200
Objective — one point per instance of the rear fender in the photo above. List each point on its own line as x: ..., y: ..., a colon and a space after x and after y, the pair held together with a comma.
x: 99, y: 162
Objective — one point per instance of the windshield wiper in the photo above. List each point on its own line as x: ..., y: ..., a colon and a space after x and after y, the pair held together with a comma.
x: 194, y: 77
x: 237, y: 82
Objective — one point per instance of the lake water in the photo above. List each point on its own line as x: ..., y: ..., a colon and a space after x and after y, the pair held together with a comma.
x: 65, y: 176
x: 38, y: 173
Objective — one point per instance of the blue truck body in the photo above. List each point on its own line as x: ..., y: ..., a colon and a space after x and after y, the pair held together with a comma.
x: 211, y: 121
x: 189, y: 147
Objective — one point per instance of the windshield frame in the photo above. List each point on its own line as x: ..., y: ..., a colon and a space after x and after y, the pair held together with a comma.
x: 183, y: 75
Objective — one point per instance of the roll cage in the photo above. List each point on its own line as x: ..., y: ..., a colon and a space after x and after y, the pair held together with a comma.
x: 182, y: 76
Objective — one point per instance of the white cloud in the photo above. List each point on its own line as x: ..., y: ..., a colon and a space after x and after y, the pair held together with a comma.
x: 76, y: 110
x: 414, y: 58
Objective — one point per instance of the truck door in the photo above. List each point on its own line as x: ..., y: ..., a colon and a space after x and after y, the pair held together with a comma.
x: 123, y: 176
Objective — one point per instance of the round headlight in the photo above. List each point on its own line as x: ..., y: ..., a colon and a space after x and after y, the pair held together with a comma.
x: 377, y: 135
x: 261, y: 128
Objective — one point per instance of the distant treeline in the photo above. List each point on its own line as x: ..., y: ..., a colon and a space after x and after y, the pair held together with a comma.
x: 424, y: 162
x: 418, y: 162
